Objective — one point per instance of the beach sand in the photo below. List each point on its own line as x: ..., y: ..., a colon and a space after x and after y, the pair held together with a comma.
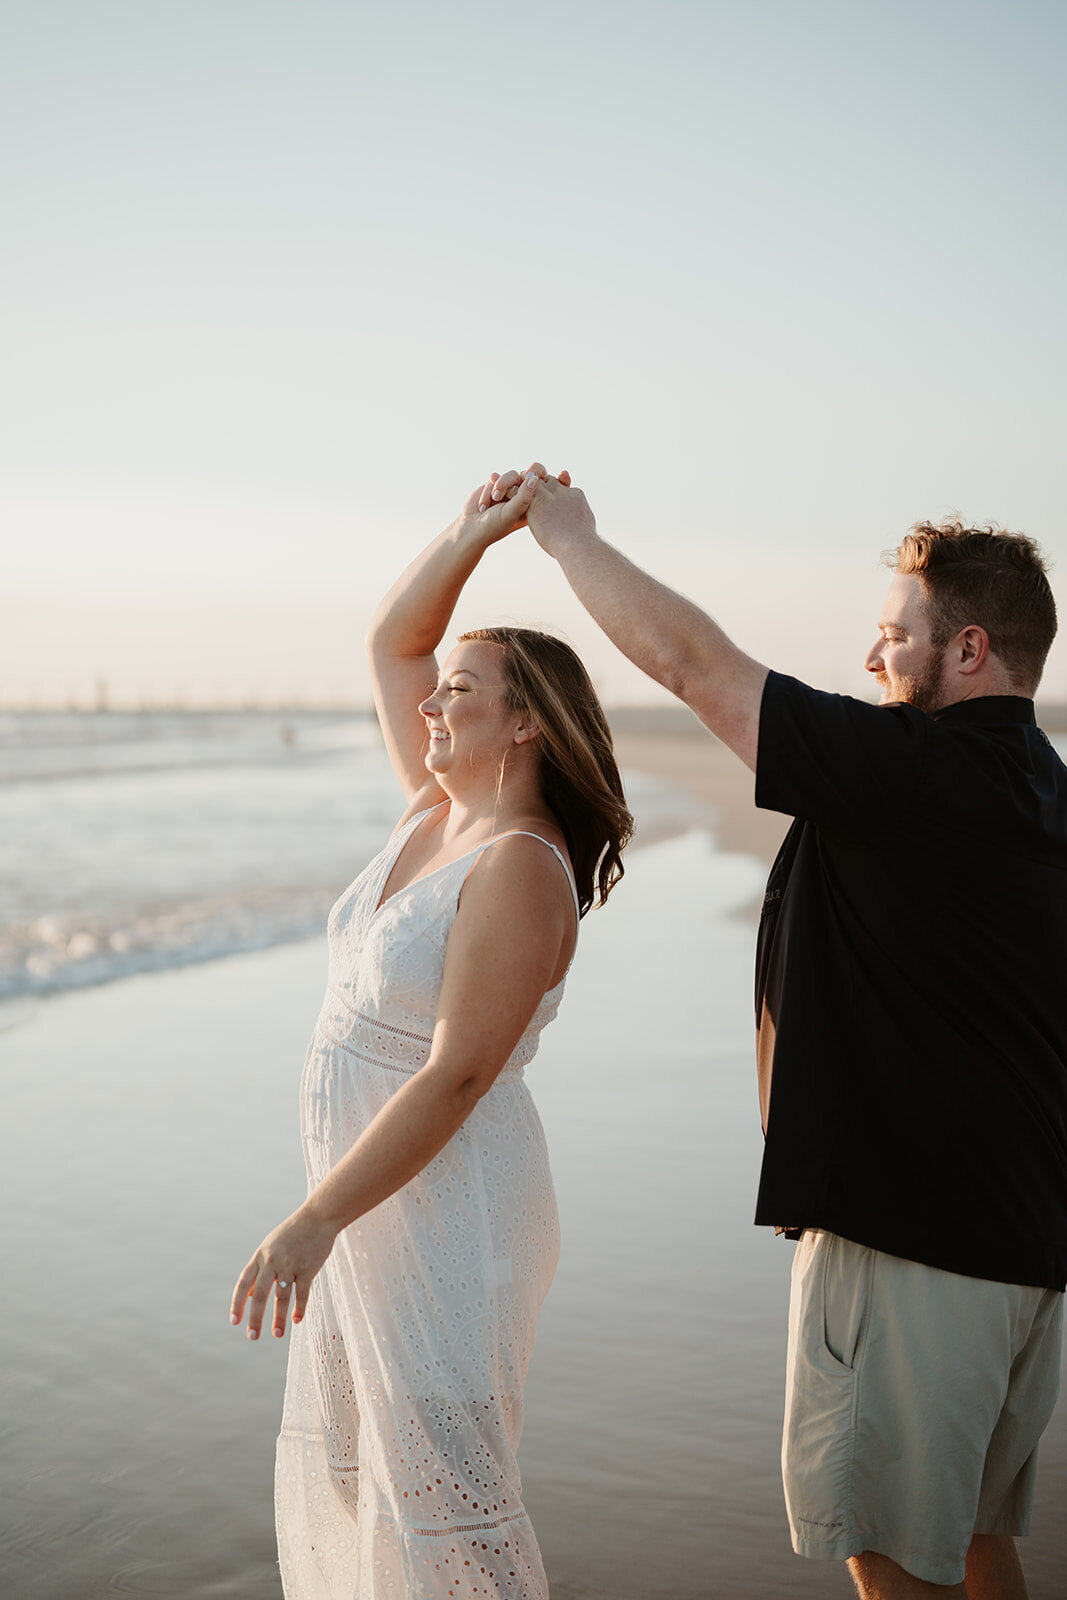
x: 700, y: 764
x: 152, y: 1138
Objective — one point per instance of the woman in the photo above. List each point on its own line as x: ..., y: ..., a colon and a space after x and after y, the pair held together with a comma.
x: 430, y: 1227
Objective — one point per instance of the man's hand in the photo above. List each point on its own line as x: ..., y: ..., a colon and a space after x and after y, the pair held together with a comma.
x: 559, y: 515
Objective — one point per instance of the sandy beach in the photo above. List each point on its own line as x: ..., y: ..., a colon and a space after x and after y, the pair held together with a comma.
x: 152, y: 1138
x: 694, y: 760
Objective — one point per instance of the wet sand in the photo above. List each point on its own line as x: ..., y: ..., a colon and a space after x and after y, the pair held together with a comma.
x: 151, y: 1139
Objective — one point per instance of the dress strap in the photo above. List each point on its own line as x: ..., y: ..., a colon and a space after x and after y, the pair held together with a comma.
x: 524, y: 833
x: 404, y: 830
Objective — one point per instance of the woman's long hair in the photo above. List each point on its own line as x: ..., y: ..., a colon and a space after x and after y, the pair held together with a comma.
x: 579, y: 778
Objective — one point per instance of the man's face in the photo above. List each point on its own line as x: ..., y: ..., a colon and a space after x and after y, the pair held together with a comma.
x: 905, y: 661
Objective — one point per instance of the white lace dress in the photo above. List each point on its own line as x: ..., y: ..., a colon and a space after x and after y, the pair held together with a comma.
x: 396, y: 1472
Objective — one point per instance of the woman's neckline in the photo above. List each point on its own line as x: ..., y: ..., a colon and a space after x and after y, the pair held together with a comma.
x: 422, y: 877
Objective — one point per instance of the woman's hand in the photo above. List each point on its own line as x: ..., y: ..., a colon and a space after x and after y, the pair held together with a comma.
x: 491, y: 513
x: 287, y: 1260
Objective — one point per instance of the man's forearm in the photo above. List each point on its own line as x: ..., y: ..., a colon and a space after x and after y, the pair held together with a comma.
x: 663, y: 633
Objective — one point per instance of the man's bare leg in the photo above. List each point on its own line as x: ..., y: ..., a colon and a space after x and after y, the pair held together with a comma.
x: 878, y: 1578
x: 994, y: 1571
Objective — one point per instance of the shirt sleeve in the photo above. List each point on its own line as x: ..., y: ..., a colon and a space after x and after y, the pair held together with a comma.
x: 835, y: 761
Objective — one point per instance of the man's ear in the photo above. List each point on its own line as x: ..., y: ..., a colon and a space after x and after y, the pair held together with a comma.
x: 970, y: 649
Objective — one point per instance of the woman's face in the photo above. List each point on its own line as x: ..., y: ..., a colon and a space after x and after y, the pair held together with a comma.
x: 470, y: 726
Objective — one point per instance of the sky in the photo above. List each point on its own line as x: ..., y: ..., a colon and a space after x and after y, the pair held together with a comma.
x: 283, y: 282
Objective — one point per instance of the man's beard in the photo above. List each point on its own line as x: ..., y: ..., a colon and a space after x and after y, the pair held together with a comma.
x: 923, y: 690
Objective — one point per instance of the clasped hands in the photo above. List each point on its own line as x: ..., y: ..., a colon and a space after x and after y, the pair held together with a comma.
x: 549, y: 506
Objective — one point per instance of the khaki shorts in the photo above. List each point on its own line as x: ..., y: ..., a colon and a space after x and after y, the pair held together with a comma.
x: 915, y: 1399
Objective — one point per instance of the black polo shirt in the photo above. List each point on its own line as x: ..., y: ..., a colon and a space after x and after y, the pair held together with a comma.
x: 911, y: 981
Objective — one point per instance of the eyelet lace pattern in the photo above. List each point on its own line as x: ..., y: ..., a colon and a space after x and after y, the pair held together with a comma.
x: 396, y: 1475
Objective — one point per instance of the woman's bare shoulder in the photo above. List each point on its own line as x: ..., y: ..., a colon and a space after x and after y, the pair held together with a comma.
x: 519, y: 863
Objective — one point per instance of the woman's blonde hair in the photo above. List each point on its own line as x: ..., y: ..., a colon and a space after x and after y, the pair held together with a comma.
x: 579, y: 777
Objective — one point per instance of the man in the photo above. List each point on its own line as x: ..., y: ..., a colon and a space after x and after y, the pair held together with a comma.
x: 912, y: 1040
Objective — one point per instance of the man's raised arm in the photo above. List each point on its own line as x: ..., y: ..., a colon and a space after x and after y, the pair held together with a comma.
x: 661, y: 632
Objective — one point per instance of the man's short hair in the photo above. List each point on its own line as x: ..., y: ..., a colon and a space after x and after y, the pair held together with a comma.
x: 989, y: 578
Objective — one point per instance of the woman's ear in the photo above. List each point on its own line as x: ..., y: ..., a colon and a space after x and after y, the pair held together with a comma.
x: 527, y: 731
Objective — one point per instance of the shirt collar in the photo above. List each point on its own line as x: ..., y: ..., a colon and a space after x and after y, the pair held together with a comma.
x: 994, y: 710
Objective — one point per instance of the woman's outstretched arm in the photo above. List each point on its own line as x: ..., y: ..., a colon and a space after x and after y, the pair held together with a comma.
x: 411, y: 621
x: 514, y: 928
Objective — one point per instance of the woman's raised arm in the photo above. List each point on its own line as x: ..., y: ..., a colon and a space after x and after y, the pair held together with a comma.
x: 411, y: 621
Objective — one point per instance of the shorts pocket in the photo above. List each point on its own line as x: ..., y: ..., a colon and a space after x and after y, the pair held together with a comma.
x: 845, y: 1286
x: 829, y: 1313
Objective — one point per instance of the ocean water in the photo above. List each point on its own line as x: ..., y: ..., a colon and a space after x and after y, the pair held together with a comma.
x: 135, y: 842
